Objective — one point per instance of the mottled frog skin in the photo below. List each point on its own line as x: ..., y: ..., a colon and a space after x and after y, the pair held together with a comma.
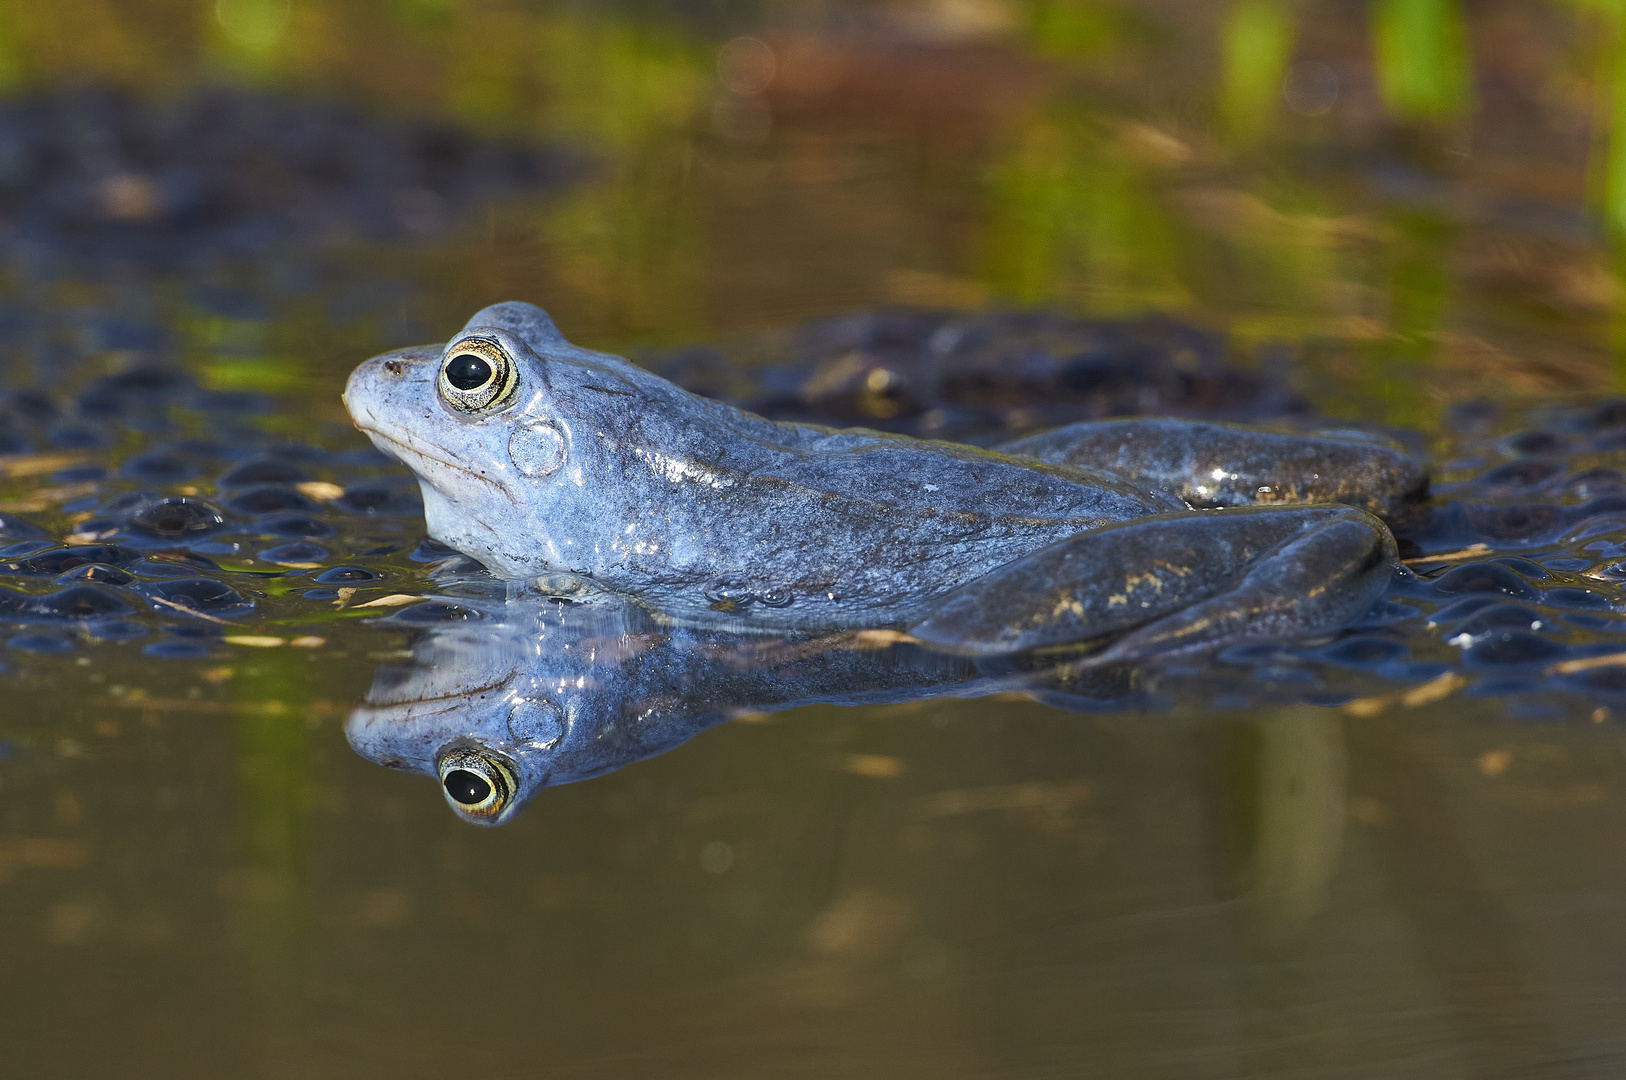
x: 537, y: 457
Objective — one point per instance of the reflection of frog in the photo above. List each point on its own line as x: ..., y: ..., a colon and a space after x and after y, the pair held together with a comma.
x: 538, y: 457
x: 507, y: 698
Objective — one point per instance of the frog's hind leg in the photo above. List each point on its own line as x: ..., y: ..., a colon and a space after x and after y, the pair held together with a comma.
x: 1173, y: 583
x: 1216, y: 465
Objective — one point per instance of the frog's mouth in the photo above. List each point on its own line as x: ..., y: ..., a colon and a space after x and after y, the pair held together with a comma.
x: 413, y: 451
x: 398, y: 726
x: 400, y: 707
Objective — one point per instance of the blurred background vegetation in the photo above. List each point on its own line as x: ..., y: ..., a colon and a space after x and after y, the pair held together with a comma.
x: 1422, y: 195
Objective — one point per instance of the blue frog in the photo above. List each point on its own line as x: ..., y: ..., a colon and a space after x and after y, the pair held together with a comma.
x: 1128, y: 539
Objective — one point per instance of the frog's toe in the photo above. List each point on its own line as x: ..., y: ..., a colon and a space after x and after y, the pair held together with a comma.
x: 1175, y: 583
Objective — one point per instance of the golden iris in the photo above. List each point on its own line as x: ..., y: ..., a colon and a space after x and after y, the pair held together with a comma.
x: 476, y: 375
x: 478, y: 784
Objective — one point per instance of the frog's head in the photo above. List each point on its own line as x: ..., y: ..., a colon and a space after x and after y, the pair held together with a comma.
x: 480, y: 421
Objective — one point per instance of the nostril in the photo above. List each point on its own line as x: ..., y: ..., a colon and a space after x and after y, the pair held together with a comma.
x: 393, y: 367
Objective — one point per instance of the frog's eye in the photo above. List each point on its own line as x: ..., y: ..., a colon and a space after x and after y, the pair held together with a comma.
x: 476, y: 375
x: 478, y: 784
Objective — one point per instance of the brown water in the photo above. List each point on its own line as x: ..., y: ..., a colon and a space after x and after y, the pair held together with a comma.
x: 199, y: 878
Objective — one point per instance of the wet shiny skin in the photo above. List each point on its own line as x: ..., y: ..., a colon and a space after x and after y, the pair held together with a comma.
x: 568, y: 460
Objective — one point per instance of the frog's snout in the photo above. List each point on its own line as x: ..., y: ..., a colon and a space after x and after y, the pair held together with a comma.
x: 372, y: 385
x: 357, y: 386
x: 352, y: 397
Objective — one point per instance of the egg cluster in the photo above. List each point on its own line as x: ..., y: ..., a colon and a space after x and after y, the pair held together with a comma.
x: 982, y: 377
x: 91, y: 177
x: 177, y: 563
x: 147, y: 515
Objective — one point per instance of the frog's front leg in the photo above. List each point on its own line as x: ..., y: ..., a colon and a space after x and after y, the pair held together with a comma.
x: 1216, y: 465
x: 1173, y: 583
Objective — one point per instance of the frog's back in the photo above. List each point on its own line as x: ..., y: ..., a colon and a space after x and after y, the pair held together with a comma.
x: 742, y: 506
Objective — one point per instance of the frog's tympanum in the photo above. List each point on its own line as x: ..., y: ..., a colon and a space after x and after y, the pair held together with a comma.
x: 1136, y: 538
x: 520, y: 695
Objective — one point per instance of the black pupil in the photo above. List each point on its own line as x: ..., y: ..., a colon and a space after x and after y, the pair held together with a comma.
x: 466, y: 787
x: 468, y: 372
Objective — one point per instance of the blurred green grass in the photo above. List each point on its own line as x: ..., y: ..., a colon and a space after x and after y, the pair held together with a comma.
x: 1383, y: 179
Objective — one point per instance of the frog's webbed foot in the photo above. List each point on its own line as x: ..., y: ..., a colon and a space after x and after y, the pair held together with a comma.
x: 1174, y: 583
x: 1215, y: 465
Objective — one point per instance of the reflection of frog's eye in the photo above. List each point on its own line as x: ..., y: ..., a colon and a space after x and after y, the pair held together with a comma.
x: 477, y: 374
x: 478, y: 783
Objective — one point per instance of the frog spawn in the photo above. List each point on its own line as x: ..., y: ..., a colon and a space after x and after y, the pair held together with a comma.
x: 184, y: 568
x: 237, y: 508
x: 981, y: 377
